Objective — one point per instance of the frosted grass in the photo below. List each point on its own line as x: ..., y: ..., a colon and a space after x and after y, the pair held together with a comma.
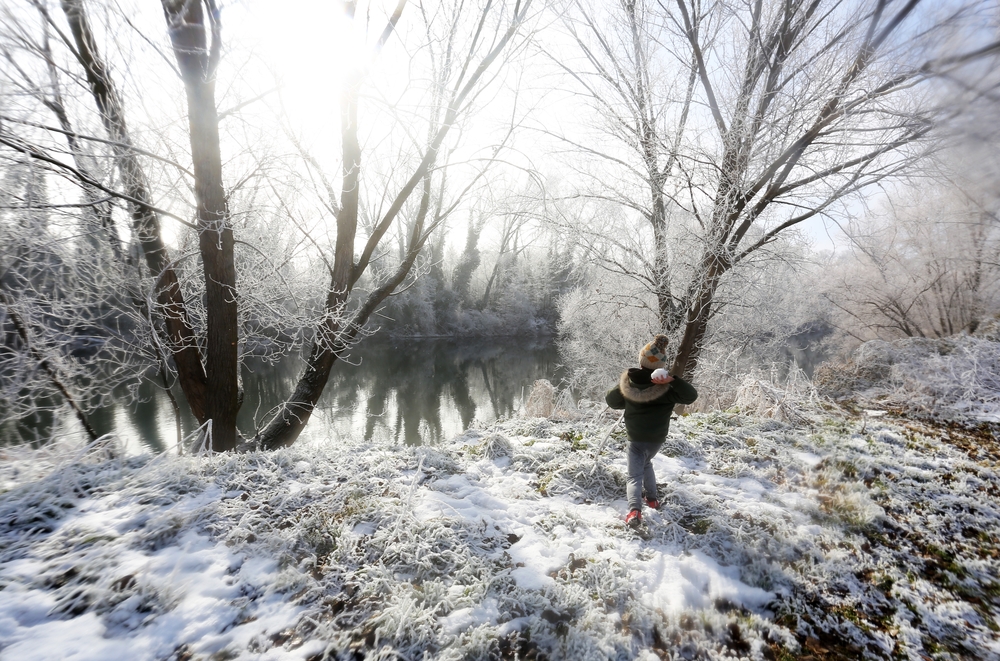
x: 863, y: 538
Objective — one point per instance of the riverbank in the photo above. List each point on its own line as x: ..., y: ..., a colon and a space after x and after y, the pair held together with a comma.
x: 837, y: 537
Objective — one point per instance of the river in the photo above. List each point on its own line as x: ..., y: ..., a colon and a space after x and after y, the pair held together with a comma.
x: 387, y: 391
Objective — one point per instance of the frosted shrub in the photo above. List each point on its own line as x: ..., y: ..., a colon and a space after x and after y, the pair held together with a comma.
x: 875, y: 359
x: 581, y: 478
x: 677, y: 445
x: 758, y: 397
x: 955, y: 377
x: 960, y: 375
x: 853, y: 507
x: 496, y: 446
x: 869, y: 367
x: 541, y: 400
x: 432, y: 459
x: 836, y: 380
x: 990, y: 329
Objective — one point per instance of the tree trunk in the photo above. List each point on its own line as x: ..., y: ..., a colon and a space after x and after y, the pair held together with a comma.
x: 698, y: 315
x: 145, y: 221
x: 331, y: 336
x: 197, y: 55
x: 650, y: 146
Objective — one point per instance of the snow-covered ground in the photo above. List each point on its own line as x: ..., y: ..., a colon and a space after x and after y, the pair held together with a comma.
x: 836, y: 538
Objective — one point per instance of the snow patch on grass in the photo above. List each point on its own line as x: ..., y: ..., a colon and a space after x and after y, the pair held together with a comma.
x: 834, y: 537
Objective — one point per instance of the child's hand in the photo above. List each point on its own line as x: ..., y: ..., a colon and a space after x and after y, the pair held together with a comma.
x: 661, y: 376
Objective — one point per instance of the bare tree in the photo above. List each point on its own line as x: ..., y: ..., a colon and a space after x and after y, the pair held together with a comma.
x: 197, y: 312
x: 928, y: 266
x: 515, y: 237
x: 79, y: 40
x: 195, y: 33
x: 461, y: 71
x: 731, y: 123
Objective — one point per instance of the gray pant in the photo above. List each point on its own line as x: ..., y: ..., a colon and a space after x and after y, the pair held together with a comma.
x: 640, y: 472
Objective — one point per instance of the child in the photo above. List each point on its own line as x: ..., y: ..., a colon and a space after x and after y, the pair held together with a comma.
x: 648, y: 401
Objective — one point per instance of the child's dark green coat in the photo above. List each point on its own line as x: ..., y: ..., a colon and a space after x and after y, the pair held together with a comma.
x: 648, y: 406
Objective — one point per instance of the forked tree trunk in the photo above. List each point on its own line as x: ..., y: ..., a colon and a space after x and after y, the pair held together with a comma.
x: 332, y: 337
x: 337, y: 334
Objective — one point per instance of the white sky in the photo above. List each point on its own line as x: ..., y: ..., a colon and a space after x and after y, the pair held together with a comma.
x: 309, y: 47
x: 306, y: 48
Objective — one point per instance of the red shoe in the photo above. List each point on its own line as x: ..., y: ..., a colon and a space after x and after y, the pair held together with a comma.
x: 652, y: 504
x: 633, y: 519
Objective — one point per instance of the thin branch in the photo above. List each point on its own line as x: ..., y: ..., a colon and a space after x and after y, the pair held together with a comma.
x: 706, y: 84
x: 103, y: 141
x: 37, y: 154
x: 239, y: 106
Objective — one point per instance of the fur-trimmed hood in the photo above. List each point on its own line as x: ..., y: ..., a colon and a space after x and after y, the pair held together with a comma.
x: 634, y: 393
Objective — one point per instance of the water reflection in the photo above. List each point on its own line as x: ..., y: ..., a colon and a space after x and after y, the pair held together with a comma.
x: 404, y: 391
x: 413, y: 391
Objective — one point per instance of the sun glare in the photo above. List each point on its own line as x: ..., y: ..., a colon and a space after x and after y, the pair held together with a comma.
x: 308, y: 48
